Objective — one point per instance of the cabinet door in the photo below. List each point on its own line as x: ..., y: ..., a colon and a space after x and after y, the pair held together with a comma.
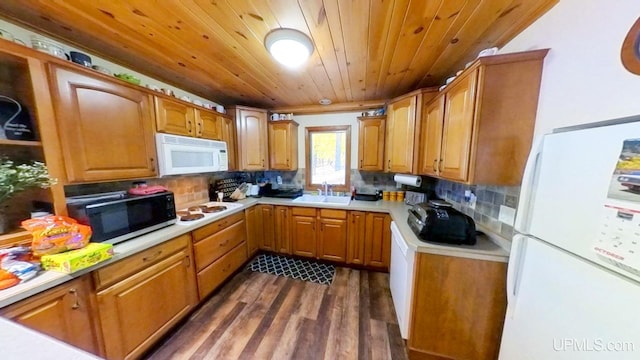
x: 357, y: 239
x: 208, y: 125
x: 400, y: 135
x: 283, y: 145
x: 137, y: 311
x: 252, y: 223
x: 371, y: 144
x: 303, y: 231
x: 458, y: 128
x: 64, y: 312
x: 228, y: 130
x: 173, y: 117
x: 282, y: 229
x: 332, y: 240
x: 378, y: 236
x: 431, y: 137
x: 458, y: 308
x: 267, y: 237
x: 106, y: 129
x: 252, y: 139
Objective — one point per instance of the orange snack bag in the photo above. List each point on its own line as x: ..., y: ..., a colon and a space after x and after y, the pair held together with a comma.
x: 55, y: 234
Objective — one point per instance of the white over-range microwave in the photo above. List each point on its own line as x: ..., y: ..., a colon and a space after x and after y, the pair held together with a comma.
x: 185, y: 155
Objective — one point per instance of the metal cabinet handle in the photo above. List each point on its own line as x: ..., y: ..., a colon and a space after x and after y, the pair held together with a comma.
x: 74, y: 292
x: 440, y: 167
x: 153, y: 166
x: 435, y: 162
x: 187, y: 261
x: 389, y: 165
x: 224, y: 243
x: 262, y: 162
x: 189, y: 126
x: 360, y: 163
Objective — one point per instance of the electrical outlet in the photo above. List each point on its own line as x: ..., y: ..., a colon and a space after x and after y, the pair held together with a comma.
x: 507, y: 215
x: 470, y: 198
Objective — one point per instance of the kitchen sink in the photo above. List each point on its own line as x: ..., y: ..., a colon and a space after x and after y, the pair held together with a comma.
x: 343, y: 200
x: 321, y: 199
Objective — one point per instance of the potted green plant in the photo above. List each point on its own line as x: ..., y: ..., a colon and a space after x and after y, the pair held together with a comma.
x: 15, y: 178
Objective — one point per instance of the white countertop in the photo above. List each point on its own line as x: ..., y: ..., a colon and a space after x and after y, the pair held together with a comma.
x: 19, y: 342
x: 489, y: 248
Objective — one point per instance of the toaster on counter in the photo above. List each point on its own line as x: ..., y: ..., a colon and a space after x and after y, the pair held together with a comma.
x: 437, y: 221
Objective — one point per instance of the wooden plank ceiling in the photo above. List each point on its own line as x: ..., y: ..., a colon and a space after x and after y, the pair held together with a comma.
x: 364, y: 49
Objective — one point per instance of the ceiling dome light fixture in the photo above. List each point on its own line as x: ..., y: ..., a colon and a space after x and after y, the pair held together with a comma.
x: 289, y: 47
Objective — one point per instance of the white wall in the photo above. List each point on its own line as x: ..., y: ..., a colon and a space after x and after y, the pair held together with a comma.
x: 583, y: 79
x: 347, y: 118
x: 25, y: 36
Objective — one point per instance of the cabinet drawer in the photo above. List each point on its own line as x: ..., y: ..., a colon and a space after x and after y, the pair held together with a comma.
x: 216, y: 273
x: 216, y: 226
x: 213, y: 247
x: 303, y: 211
x: 133, y: 264
x: 333, y: 214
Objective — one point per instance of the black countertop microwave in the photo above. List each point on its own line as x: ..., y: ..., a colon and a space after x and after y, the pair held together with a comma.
x: 117, y: 216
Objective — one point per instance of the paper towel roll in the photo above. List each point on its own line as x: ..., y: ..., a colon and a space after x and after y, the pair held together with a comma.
x: 411, y: 180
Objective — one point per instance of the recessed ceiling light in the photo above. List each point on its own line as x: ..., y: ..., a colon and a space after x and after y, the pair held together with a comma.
x: 325, y: 101
x: 289, y: 47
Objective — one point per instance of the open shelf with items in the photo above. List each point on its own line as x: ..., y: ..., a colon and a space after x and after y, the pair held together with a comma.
x: 23, y: 79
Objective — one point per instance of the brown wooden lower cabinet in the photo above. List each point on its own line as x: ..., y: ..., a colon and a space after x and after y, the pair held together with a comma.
x: 266, y: 239
x: 253, y: 224
x: 282, y: 229
x: 458, y: 308
x: 377, y: 251
x: 356, y: 242
x: 66, y: 312
x: 303, y: 231
x: 332, y: 236
x: 136, y: 311
x: 369, y: 241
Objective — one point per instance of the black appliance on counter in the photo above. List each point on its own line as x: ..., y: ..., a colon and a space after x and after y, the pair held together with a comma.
x: 436, y: 221
x: 368, y: 197
x: 117, y: 216
x: 268, y: 191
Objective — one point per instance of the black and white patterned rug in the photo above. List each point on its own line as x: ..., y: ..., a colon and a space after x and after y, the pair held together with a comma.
x: 307, y: 270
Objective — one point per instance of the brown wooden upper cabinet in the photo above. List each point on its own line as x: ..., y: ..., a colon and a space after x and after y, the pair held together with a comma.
x: 479, y: 128
x: 403, y: 130
x: 283, y: 145
x: 105, y: 128
x: 228, y: 135
x: 371, y: 132
x: 175, y: 117
x: 251, y: 124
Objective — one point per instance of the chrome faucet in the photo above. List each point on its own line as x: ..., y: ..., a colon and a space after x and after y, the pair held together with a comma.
x: 326, y: 188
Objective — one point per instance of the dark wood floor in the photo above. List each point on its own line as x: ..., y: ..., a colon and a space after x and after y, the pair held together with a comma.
x: 261, y: 316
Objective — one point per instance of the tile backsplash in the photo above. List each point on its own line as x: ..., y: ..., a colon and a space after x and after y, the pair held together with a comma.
x: 188, y: 190
x: 192, y: 190
x: 365, y: 182
x: 488, y: 201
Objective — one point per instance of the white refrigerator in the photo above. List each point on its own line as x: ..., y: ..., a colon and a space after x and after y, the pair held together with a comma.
x: 573, y: 284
